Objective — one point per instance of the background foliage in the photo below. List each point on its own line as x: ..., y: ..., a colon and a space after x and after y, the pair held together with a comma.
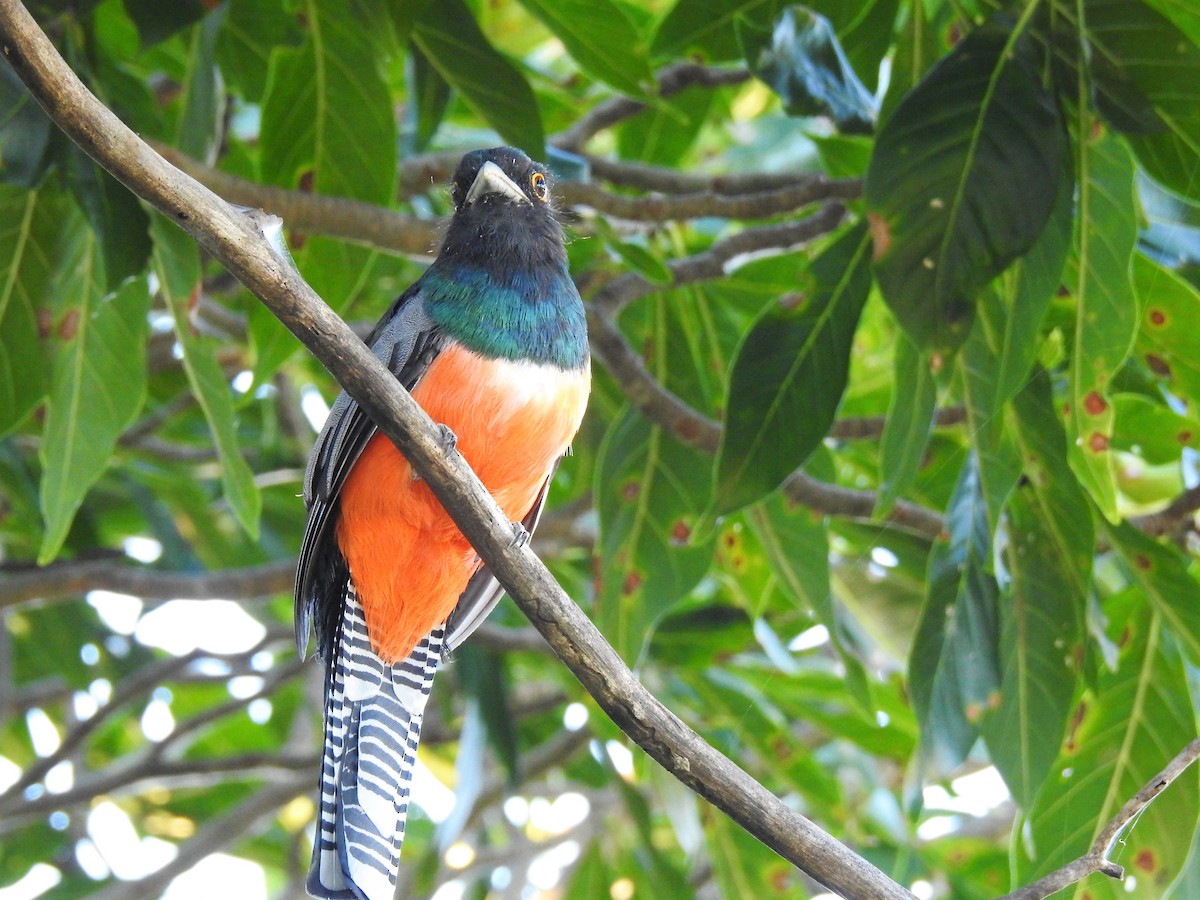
x: 888, y: 480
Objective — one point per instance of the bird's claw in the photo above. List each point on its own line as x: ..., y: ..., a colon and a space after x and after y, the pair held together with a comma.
x: 449, y: 438
x: 520, y: 535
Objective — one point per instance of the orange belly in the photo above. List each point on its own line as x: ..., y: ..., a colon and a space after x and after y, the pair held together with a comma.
x: 407, y: 559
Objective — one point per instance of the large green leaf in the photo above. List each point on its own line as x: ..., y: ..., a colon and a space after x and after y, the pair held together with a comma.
x: 98, y: 380
x: 1146, y: 48
x: 199, y: 129
x: 708, y: 26
x: 590, y: 29
x: 327, y: 126
x: 1040, y: 634
x: 447, y: 33
x: 1121, y: 735
x: 1107, y: 316
x: 29, y: 232
x: 177, y: 265
x: 252, y: 28
x: 157, y: 21
x: 789, y: 376
x: 801, y: 60
x: 945, y: 219
x: 117, y: 217
x: 953, y: 668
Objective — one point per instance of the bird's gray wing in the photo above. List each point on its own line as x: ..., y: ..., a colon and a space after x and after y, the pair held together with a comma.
x: 406, y: 340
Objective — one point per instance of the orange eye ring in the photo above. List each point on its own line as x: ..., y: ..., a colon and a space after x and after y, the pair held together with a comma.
x: 538, y: 182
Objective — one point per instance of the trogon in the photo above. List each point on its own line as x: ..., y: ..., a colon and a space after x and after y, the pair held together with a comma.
x: 492, y: 342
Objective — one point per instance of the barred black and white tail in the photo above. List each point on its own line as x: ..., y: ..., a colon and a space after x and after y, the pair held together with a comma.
x: 372, y: 725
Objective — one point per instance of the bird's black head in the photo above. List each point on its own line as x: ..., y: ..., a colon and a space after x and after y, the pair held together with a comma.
x: 511, y: 178
x: 503, y: 216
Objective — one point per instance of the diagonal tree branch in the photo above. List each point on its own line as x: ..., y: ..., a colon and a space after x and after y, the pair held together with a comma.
x: 233, y: 239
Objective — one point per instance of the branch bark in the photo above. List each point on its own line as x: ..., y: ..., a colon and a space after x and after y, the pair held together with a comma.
x: 233, y: 239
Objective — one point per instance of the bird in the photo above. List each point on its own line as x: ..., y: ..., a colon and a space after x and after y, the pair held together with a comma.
x: 491, y: 341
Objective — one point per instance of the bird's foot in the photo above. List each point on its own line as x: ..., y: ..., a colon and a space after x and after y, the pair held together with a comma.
x: 449, y: 438
x: 520, y: 535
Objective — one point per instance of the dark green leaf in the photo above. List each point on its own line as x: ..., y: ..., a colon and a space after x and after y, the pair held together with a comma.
x: 944, y: 218
x: 909, y: 423
x: 252, y: 28
x: 1107, y: 318
x: 648, y: 509
x: 449, y: 36
x: 1152, y: 429
x: 789, y: 375
x: 801, y: 59
x: 98, y: 380
x: 431, y: 96
x: 26, y: 133
x: 1147, y: 50
x: 156, y: 21
x: 591, y: 31
x: 953, y: 669
x: 177, y: 265
x: 199, y: 130
x: 708, y: 26
x: 120, y: 223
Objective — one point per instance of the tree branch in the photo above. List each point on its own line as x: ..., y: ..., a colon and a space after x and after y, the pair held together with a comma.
x: 1096, y: 859
x: 232, y: 239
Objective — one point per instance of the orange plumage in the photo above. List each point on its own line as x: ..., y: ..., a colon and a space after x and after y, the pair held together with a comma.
x: 407, y: 559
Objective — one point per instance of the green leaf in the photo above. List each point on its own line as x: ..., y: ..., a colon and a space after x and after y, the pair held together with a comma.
x: 431, y: 96
x: 591, y: 30
x: 1121, y: 736
x: 327, y: 126
x: 1162, y: 573
x: 648, y: 509
x: 789, y: 375
x: 953, y: 668
x: 98, y: 380
x: 116, y: 215
x: 801, y: 60
x: 30, y: 223
x: 252, y: 28
x: 1167, y: 339
x: 198, y: 132
x: 1152, y: 429
x: 909, y: 423
x: 177, y: 265
x: 1040, y: 618
x: 156, y: 21
x: 26, y: 133
x: 708, y: 26
x: 1146, y: 48
x: 665, y: 131
x: 796, y: 544
x: 1106, y: 322
x: 447, y: 33
x: 944, y: 218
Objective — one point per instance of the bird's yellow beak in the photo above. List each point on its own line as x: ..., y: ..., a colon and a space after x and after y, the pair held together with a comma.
x: 492, y: 180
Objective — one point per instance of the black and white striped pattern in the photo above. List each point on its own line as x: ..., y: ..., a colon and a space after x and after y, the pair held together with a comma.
x: 372, y: 725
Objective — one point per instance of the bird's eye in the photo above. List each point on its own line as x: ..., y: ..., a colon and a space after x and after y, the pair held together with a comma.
x: 538, y: 182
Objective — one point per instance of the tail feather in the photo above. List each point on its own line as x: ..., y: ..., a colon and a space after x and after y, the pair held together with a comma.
x: 373, y: 715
